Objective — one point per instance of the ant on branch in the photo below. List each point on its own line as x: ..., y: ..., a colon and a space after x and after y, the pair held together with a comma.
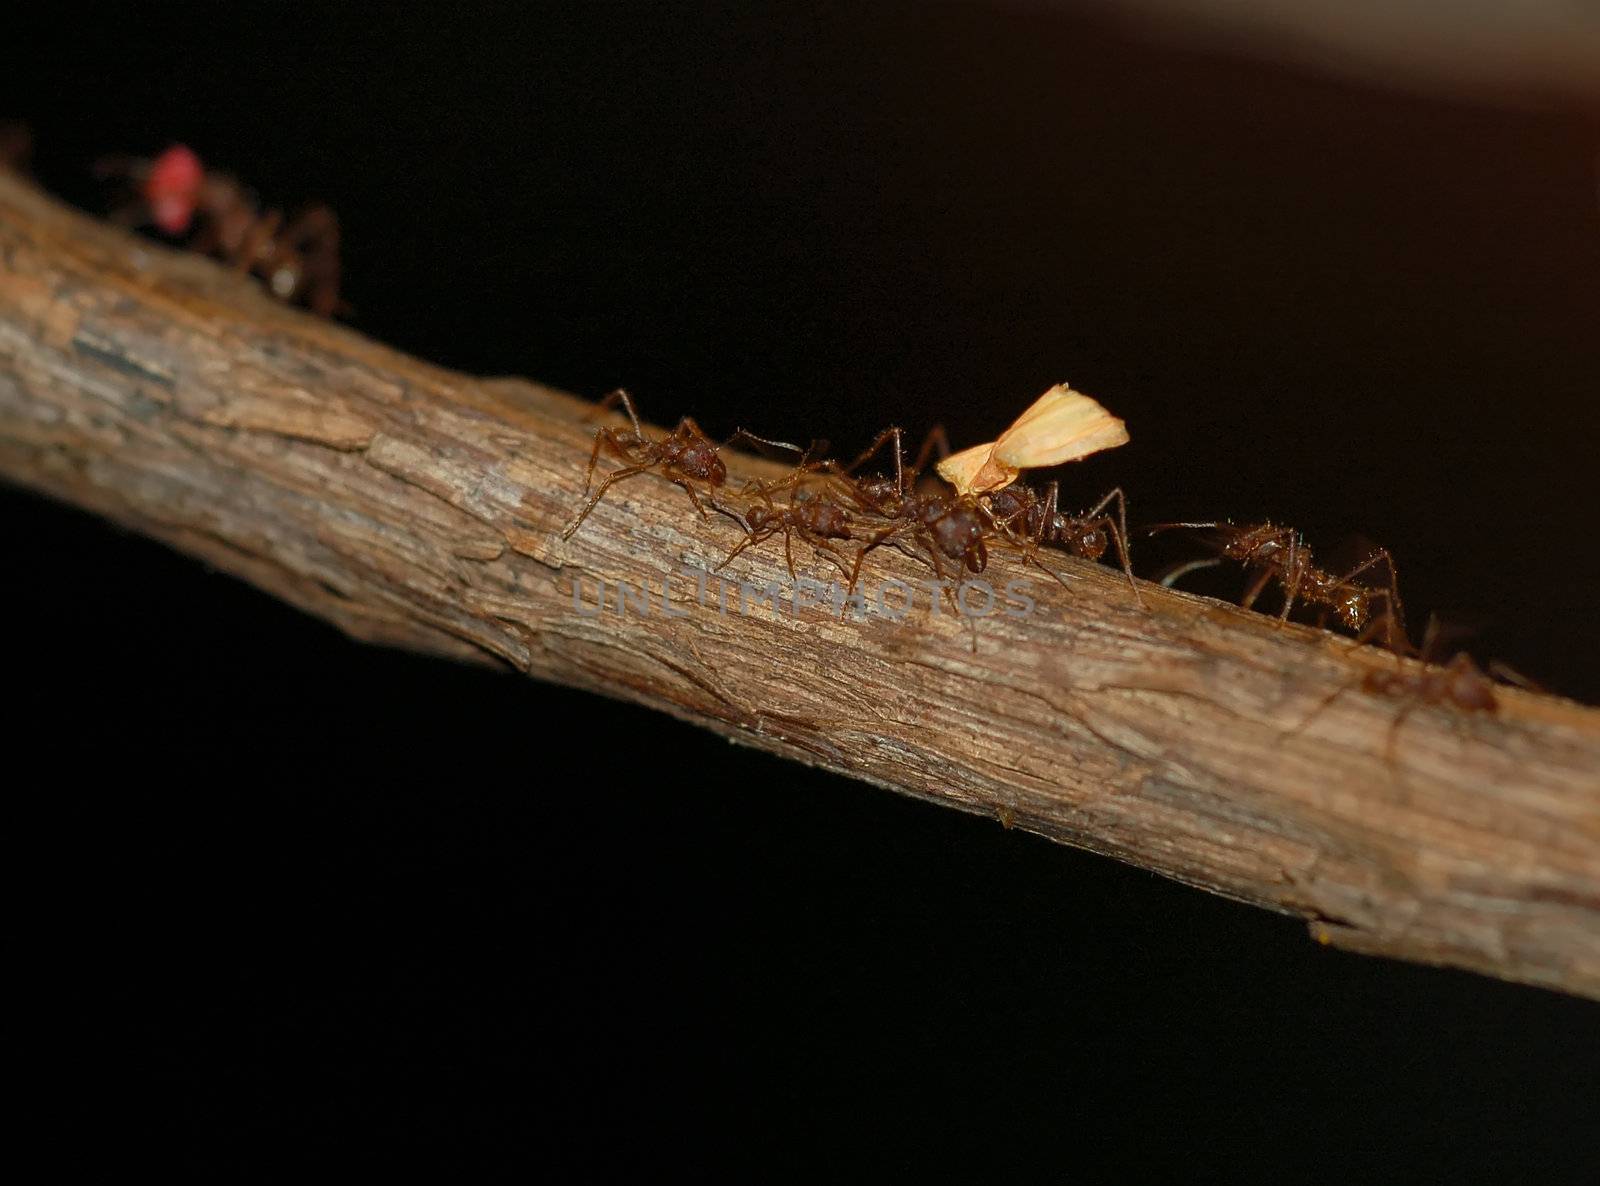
x: 814, y: 518
x: 959, y: 527
x: 952, y: 527
x: 1019, y: 509
x: 1274, y: 554
x: 175, y: 193
x: 1458, y: 684
x: 685, y: 456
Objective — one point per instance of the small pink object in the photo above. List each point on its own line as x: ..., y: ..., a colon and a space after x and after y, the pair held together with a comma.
x: 173, y: 188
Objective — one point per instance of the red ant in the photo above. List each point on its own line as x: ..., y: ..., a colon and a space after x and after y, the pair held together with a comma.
x: 815, y: 519
x: 177, y: 194
x: 1279, y: 554
x: 684, y: 457
x: 958, y: 527
x: 1019, y: 506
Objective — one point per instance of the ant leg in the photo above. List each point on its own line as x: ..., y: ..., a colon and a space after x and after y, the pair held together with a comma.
x: 1391, y: 748
x: 1256, y: 588
x: 611, y: 400
x: 888, y: 434
x: 881, y: 537
x: 1299, y: 561
x: 1394, y: 618
x: 831, y: 550
x: 1052, y: 500
x: 605, y: 438
x: 616, y: 476
x: 936, y: 440
x: 1325, y: 704
x: 1119, y: 534
x: 788, y: 551
x: 683, y: 483
x: 753, y: 538
x: 1173, y: 573
x: 1510, y: 675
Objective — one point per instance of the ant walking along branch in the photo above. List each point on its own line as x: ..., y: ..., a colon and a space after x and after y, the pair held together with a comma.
x: 1274, y: 555
x: 686, y: 457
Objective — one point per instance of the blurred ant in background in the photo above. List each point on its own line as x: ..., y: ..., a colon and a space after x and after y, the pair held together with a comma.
x: 175, y: 193
x: 1459, y: 685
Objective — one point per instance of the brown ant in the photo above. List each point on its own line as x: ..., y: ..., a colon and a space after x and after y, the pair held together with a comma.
x: 685, y: 456
x: 1278, y: 554
x: 813, y: 517
x: 298, y: 261
x: 952, y: 527
x: 1020, y: 510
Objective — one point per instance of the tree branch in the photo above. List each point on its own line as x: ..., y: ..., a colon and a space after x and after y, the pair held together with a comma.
x: 418, y: 508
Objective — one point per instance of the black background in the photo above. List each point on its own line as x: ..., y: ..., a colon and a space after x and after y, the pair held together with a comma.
x: 289, y: 889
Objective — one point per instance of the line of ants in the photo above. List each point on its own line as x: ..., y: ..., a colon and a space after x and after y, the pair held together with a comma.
x: 828, y: 502
x: 825, y: 505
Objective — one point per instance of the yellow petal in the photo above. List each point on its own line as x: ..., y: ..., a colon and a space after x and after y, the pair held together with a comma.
x: 1062, y: 425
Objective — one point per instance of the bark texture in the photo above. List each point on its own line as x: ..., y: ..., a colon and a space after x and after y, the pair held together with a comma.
x: 418, y: 508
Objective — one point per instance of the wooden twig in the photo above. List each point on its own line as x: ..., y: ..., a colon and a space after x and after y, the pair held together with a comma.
x: 418, y: 508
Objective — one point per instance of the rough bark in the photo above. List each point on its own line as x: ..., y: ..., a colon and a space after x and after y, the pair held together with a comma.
x: 418, y: 508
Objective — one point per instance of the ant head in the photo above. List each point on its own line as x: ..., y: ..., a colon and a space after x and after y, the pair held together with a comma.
x: 1010, y: 502
x: 1352, y: 607
x: 759, y: 516
x: 173, y: 188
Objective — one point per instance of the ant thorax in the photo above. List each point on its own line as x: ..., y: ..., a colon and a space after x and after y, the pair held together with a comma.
x: 695, y: 456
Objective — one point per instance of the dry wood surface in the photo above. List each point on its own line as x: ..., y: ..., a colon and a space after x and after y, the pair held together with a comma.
x: 419, y: 508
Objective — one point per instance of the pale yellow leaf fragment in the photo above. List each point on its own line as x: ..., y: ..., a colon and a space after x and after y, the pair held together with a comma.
x: 974, y: 471
x: 1062, y: 425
